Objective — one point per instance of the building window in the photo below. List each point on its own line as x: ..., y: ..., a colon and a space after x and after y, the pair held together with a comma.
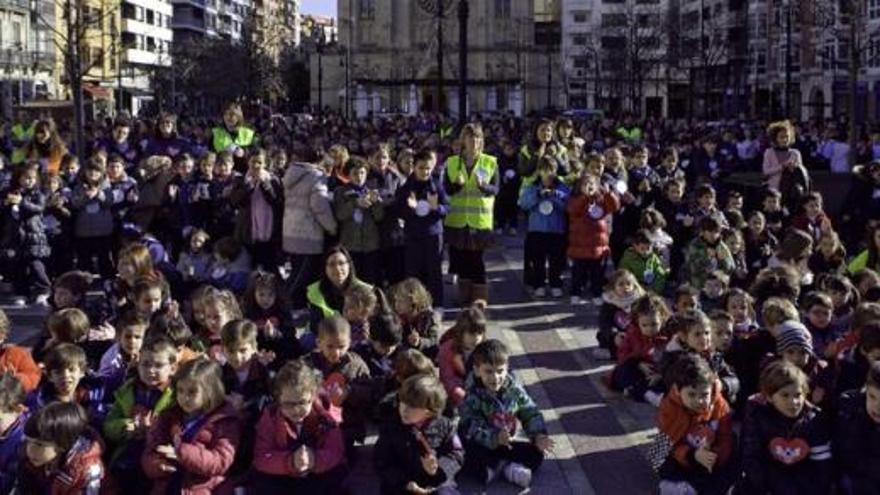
x: 150, y: 16
x: 16, y: 35
x: 579, y: 39
x: 613, y: 20
x: 874, y: 9
x: 580, y: 16
x: 502, y: 9
x: 367, y: 9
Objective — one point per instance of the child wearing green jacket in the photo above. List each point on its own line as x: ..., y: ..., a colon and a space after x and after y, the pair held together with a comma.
x: 647, y: 266
x: 139, y: 402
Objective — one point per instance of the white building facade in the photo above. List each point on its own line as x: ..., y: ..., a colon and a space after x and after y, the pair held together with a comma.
x: 26, y: 52
x: 147, y: 38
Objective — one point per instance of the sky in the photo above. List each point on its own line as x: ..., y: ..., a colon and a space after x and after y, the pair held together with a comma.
x: 319, y: 7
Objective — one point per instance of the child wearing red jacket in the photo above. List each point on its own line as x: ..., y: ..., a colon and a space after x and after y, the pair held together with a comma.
x: 589, y: 212
x: 696, y: 433
x: 192, y: 446
x: 299, y: 446
x: 639, y: 349
x: 17, y: 359
x: 62, y: 455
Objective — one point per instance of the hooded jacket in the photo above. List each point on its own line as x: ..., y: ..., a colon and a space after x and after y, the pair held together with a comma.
x: 686, y: 431
x: 308, y: 214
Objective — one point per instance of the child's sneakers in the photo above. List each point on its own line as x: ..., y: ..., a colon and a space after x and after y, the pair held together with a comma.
x: 556, y: 292
x: 540, y: 292
x: 518, y: 474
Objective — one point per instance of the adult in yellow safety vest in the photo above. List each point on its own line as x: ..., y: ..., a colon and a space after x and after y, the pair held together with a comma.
x: 233, y: 136
x: 326, y: 296
x: 542, y: 142
x: 471, y: 181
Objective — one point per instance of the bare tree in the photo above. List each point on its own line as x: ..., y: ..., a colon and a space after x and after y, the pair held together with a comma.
x: 702, y: 46
x: 84, y: 25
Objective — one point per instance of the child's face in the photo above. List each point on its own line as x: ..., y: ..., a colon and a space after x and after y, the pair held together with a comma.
x: 827, y: 245
x: 355, y: 312
x: 590, y: 186
x: 257, y: 165
x: 738, y: 308
x: 207, y: 168
x: 734, y: 244
x: 413, y: 415
x: 674, y: 192
x: 423, y: 170
x: 710, y: 236
x: 223, y: 168
x: 333, y: 348
x: 643, y: 248
x: 492, y: 375
x: 63, y: 298
x: 149, y: 301
x: 196, y: 243
x: 40, y: 452
x: 713, y: 288
x: 722, y: 335
x: 53, y: 183
x: 624, y: 287
x: 66, y: 379
x: 706, y: 201
x: 838, y: 298
x: 686, y: 302
x: 789, y: 400
x: 402, y: 306
x: 190, y: 396
x: 358, y: 176
x: 735, y: 203
x: 872, y: 403
x: 650, y: 324
x: 185, y: 168
x: 93, y: 175
x: 293, y: 406
x: 756, y: 224
x: 240, y: 354
x: 696, y: 398
x: 820, y: 316
x: 771, y: 203
x: 797, y: 356
x: 131, y: 339
x: 126, y: 270
x: 813, y: 208
x: 155, y: 369
x: 699, y: 338
x: 264, y: 297
x: 382, y: 349
x: 114, y: 170
x: 215, y: 318
x: 28, y: 180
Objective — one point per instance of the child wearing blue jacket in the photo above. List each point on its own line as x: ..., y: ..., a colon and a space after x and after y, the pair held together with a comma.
x: 422, y: 204
x: 544, y: 200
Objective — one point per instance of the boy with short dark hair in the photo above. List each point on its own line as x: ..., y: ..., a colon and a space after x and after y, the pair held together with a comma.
x: 494, y: 403
x: 641, y: 260
x: 418, y: 448
x: 707, y: 252
x: 68, y: 380
x: 695, y: 443
x: 138, y: 403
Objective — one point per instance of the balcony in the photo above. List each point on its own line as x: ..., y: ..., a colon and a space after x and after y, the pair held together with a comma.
x: 13, y: 57
x: 188, y: 23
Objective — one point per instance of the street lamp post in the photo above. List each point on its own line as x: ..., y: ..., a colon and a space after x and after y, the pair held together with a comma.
x: 463, y: 13
x: 788, y: 61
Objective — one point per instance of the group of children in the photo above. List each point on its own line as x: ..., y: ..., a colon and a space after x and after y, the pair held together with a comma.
x: 742, y: 322
x: 745, y: 323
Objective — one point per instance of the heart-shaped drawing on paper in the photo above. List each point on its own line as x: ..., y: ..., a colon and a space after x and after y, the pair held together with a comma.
x: 789, y: 450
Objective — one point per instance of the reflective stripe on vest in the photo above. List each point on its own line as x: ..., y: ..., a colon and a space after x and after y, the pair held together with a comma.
x: 316, y: 298
x: 223, y: 140
x: 470, y: 207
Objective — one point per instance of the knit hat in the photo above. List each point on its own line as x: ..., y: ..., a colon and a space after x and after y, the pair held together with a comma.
x: 793, y: 333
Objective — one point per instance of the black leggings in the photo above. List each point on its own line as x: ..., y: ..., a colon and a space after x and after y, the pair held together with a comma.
x: 469, y: 265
